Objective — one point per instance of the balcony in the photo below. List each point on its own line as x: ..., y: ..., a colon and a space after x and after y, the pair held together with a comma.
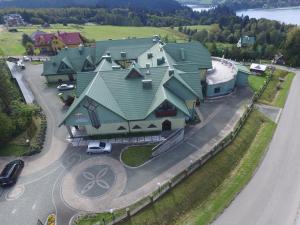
x: 166, y: 113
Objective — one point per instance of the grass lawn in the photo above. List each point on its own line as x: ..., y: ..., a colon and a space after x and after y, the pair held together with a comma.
x: 200, y: 27
x: 13, y: 150
x: 11, y: 42
x: 256, y: 82
x: 239, y: 177
x: 136, y: 155
x: 204, y: 194
x: 283, y: 93
x: 274, y: 96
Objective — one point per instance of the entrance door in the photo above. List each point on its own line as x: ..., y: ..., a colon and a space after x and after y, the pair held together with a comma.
x: 166, y: 125
x: 71, y: 77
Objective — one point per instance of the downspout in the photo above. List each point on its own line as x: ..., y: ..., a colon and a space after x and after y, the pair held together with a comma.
x: 128, y: 126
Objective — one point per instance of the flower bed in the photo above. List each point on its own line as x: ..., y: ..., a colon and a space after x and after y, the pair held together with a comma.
x: 51, y: 219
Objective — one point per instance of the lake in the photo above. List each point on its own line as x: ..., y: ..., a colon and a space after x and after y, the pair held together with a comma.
x: 285, y: 15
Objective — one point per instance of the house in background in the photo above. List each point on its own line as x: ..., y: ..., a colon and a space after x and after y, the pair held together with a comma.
x: 36, y: 34
x: 278, y: 59
x: 246, y: 41
x: 51, y: 43
x: 258, y: 68
x: 13, y: 20
x: 139, y: 85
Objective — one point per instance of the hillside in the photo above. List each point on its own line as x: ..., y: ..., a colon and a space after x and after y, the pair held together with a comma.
x: 152, y: 5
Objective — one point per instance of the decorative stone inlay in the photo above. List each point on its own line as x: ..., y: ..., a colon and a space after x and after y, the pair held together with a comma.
x: 95, y: 181
x: 91, y: 183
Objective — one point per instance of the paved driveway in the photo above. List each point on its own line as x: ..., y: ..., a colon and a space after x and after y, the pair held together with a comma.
x: 273, y: 195
x: 64, y: 180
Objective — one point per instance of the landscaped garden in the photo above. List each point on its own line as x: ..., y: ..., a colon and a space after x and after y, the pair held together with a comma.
x: 136, y: 155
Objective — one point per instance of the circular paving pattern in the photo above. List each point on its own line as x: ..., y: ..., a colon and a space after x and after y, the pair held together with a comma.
x: 95, y: 181
x: 15, y: 193
x: 88, y: 185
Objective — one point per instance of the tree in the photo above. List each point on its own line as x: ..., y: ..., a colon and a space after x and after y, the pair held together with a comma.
x: 29, y: 48
x: 7, y: 129
x: 26, y: 39
x: 201, y: 35
x: 292, y: 47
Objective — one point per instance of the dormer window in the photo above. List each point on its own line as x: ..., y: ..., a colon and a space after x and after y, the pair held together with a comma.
x: 91, y: 106
x: 136, y: 127
x: 166, y: 109
x: 121, y: 128
x: 88, y: 66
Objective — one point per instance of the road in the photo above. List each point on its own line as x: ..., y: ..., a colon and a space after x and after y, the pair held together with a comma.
x: 272, y: 197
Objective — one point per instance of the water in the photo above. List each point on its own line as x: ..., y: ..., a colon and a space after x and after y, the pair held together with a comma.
x: 290, y: 15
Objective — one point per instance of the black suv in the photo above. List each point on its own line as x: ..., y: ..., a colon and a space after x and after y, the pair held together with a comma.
x: 11, y: 172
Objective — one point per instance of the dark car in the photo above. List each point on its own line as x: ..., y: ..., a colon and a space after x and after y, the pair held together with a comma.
x: 11, y: 172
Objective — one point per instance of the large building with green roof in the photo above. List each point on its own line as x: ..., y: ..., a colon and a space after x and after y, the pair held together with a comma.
x: 135, y: 85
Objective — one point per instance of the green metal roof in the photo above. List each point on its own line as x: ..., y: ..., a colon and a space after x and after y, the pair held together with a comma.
x: 187, y: 67
x: 83, y: 80
x: 193, y: 80
x: 124, y: 94
x: 192, y: 52
x: 133, y: 47
x: 73, y: 57
x: 242, y: 68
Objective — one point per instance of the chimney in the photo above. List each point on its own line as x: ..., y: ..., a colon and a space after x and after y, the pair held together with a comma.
x: 182, y: 54
x: 80, y: 48
x: 123, y: 54
x: 117, y: 67
x: 148, y: 69
x: 147, y: 84
x: 171, y: 72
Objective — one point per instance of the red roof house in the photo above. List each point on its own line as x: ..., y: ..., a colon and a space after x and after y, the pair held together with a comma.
x: 72, y: 38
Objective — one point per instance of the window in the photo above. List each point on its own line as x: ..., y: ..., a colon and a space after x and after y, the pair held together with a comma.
x: 88, y: 66
x: 152, y: 126
x: 136, y: 127
x: 64, y: 68
x: 91, y: 107
x: 217, y: 90
x: 166, y: 106
x: 121, y: 128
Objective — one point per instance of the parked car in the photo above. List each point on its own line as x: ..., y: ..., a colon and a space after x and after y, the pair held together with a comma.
x: 65, y: 87
x: 11, y: 172
x: 95, y: 147
x: 21, y: 65
x: 26, y: 58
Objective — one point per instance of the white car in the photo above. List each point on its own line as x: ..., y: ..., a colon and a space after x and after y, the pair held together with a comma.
x: 26, y: 58
x: 95, y: 147
x: 65, y: 87
x: 21, y: 65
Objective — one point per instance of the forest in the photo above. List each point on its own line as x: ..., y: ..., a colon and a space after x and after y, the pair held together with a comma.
x: 151, y: 5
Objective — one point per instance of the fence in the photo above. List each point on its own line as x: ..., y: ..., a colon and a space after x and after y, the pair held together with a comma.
x: 167, y: 186
x: 172, y: 140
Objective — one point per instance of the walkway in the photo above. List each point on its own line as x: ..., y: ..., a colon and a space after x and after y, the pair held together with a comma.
x: 28, y: 96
